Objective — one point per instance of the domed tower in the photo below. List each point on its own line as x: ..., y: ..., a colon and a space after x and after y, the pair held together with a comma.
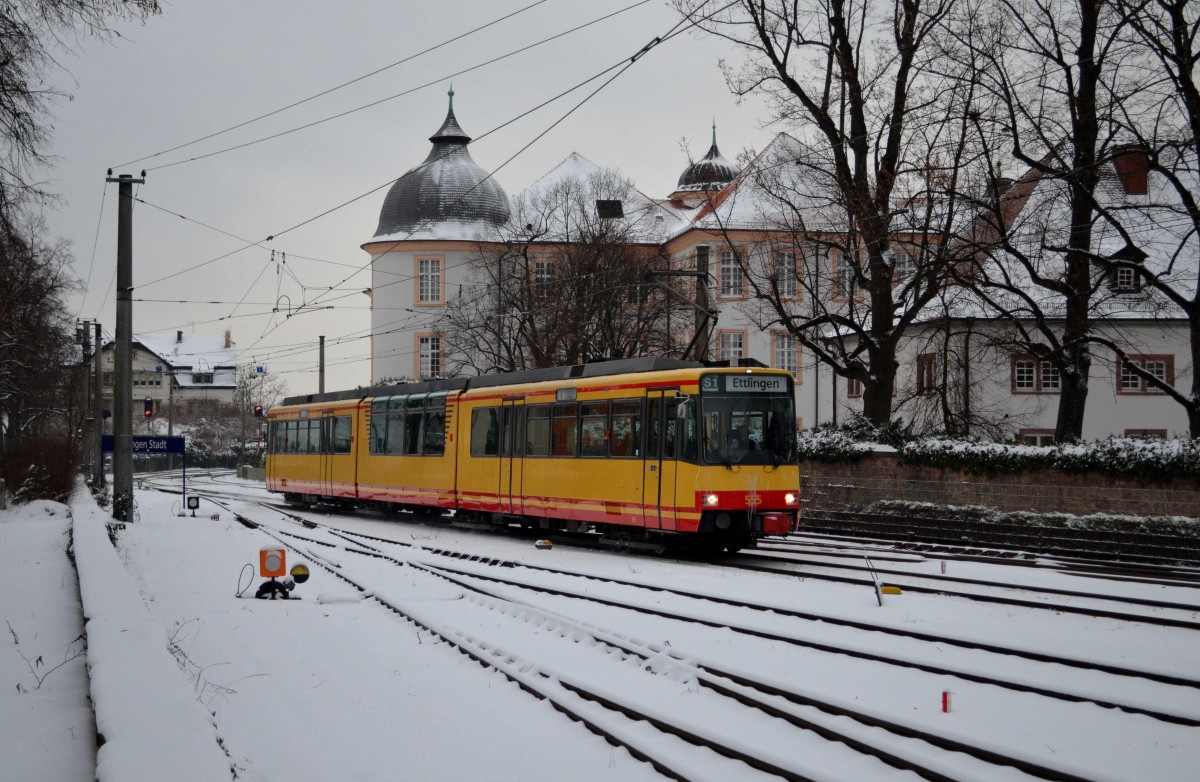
x: 704, y: 178
x: 432, y: 223
x: 447, y: 196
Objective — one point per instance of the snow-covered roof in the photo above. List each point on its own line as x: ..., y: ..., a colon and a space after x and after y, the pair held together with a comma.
x: 648, y: 219
x: 194, y: 353
x: 1036, y: 213
x: 785, y: 187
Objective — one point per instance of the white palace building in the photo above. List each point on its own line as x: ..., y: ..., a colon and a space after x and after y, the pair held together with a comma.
x: 435, y: 218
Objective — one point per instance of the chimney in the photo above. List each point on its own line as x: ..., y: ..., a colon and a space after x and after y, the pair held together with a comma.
x: 228, y: 341
x: 1000, y: 186
x: 178, y: 337
x: 1132, y: 162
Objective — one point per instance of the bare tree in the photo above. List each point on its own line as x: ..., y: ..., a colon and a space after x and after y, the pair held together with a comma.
x: 254, y: 390
x: 1167, y: 132
x: 563, y: 282
x: 874, y: 177
x: 32, y: 34
x: 37, y: 348
x: 1054, y: 78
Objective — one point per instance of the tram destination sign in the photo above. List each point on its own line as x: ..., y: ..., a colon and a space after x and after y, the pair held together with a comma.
x: 147, y: 445
x: 744, y: 384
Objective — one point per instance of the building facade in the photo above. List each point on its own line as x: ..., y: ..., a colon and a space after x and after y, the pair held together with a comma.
x: 729, y: 228
x: 181, y: 373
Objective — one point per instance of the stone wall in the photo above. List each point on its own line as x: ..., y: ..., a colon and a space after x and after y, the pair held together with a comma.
x: 882, y: 477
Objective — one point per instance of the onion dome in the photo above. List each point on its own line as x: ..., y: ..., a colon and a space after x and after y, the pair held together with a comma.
x: 447, y: 191
x: 712, y: 172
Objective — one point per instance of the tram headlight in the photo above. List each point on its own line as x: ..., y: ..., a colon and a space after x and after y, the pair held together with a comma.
x: 790, y: 498
x: 711, y: 499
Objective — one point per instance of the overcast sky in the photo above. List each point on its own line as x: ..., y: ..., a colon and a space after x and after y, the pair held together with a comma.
x: 200, y: 68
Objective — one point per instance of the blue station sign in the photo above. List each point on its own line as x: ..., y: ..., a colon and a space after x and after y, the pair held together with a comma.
x: 147, y: 445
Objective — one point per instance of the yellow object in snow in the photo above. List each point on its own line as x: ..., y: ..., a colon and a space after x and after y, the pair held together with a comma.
x: 889, y: 589
x: 544, y: 544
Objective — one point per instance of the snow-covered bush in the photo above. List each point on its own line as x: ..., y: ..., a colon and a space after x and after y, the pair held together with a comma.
x: 1173, y: 526
x: 1151, y: 459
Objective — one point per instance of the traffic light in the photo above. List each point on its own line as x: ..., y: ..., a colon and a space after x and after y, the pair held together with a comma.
x: 258, y: 411
x: 148, y: 407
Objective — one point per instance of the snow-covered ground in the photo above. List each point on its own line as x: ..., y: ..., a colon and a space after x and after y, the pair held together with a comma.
x: 190, y: 682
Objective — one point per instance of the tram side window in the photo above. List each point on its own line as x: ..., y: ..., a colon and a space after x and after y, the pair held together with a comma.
x: 563, y: 435
x: 626, y: 437
x: 511, y: 426
x: 342, y: 431
x: 537, y: 431
x: 654, y: 428
x: 412, y: 426
x: 291, y: 437
x: 690, y: 438
x: 485, y: 431
x: 395, y: 426
x: 435, y: 429
x: 378, y: 426
x: 593, y: 429
x: 312, y: 442
x: 279, y: 437
x: 670, y: 440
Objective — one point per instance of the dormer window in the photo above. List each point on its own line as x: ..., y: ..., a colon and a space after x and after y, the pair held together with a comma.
x: 1124, y: 279
x: 202, y: 378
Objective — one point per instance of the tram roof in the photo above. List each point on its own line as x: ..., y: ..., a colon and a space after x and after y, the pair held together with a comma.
x: 619, y: 366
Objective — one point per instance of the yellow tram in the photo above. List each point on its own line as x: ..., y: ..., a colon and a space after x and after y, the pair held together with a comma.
x: 645, y: 450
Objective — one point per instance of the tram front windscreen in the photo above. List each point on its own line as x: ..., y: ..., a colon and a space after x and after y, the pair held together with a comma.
x: 747, y: 419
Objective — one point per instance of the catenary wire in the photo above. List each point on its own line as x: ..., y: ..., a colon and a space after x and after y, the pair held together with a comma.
x: 355, y: 80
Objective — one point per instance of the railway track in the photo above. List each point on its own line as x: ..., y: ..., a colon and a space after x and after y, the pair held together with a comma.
x: 912, y: 582
x: 776, y: 563
x: 1166, y: 575
x: 887, y: 741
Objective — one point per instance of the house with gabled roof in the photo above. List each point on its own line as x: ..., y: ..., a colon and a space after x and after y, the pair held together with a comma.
x: 190, y: 373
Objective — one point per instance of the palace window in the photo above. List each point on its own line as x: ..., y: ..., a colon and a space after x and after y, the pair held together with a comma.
x: 731, y: 274
x: 731, y: 345
x: 429, y: 355
x: 430, y: 290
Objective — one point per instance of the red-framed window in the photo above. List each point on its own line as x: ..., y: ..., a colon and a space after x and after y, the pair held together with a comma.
x: 1162, y: 366
x: 1031, y: 375
x: 927, y: 373
x: 1036, y: 436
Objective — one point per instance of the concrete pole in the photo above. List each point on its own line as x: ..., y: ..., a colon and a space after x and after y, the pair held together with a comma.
x: 321, y: 369
x: 98, y: 410
x: 123, y: 366
x: 85, y: 433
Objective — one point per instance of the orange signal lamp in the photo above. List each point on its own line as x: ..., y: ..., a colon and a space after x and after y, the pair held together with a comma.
x: 272, y: 562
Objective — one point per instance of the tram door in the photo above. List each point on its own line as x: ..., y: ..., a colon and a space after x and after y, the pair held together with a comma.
x: 512, y: 446
x: 326, y: 457
x: 658, y: 488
